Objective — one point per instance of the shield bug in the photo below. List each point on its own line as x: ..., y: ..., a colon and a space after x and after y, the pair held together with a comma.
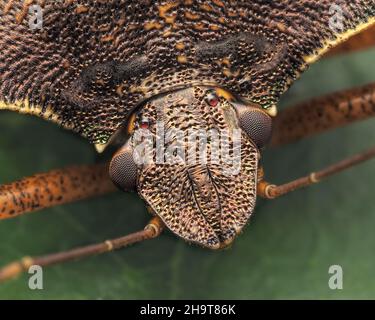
x: 186, y: 91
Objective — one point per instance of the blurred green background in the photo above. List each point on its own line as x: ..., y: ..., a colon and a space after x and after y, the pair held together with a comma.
x: 285, y: 252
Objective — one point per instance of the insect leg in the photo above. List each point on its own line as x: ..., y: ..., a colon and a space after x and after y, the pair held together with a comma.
x: 361, y: 41
x: 270, y: 191
x: 54, y: 188
x: 324, y: 113
x: 152, y: 230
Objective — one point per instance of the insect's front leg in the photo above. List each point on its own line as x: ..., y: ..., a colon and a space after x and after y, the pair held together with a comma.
x: 271, y: 191
x: 152, y: 230
x: 54, y: 188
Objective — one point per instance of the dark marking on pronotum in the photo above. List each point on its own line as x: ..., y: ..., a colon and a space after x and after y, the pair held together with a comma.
x: 107, y: 75
x: 230, y: 45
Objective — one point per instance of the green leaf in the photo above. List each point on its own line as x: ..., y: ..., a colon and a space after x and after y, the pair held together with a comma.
x: 284, y: 253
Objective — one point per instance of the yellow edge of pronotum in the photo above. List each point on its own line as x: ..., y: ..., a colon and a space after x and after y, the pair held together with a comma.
x: 340, y: 38
x: 24, y: 107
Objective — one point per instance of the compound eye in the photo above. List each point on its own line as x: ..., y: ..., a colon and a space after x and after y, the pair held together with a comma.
x: 212, y: 98
x: 123, y: 169
x: 257, y: 124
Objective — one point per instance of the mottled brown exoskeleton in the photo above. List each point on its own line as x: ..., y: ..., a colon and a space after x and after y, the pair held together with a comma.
x: 109, y: 70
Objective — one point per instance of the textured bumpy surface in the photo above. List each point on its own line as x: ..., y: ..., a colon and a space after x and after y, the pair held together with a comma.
x: 94, y: 61
x: 207, y: 202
